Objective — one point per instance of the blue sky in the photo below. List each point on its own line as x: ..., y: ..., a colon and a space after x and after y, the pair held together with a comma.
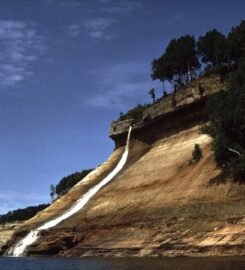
x: 68, y: 68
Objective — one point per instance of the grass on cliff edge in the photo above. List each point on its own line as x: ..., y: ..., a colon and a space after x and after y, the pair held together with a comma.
x: 136, y: 113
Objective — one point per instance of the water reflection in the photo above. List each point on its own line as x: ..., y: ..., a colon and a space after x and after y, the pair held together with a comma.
x: 123, y: 264
x: 179, y: 264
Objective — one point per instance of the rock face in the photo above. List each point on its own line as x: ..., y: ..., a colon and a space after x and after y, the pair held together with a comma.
x: 170, y: 108
x: 159, y: 205
x: 6, y: 232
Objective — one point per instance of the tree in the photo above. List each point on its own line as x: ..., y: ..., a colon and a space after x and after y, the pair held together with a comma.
x: 178, y: 63
x: 157, y: 70
x: 212, y: 48
x: 22, y: 214
x: 152, y: 94
x: 186, y: 62
x: 227, y: 125
x: 236, y: 42
x: 161, y: 70
x: 66, y: 183
x: 52, y: 192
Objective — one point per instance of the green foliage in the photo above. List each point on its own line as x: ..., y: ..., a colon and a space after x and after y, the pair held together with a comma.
x: 135, y: 114
x: 196, y: 154
x: 178, y: 63
x: 227, y: 125
x: 152, y: 94
x: 187, y: 61
x: 236, y: 42
x: 52, y: 192
x: 67, y: 183
x: 158, y: 72
x: 180, y: 60
x: 162, y: 69
x: 212, y: 48
x: 22, y: 214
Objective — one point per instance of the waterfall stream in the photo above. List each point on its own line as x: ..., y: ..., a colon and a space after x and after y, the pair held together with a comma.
x: 20, y: 248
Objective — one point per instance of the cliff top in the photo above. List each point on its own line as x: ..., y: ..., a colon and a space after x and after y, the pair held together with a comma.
x: 192, y: 93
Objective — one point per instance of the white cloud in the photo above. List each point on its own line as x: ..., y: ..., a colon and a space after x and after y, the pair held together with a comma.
x: 71, y: 3
x: 103, y: 15
x: 20, y: 45
x: 98, y: 27
x: 123, y: 7
x: 105, y: 1
x: 74, y: 30
x: 122, y: 86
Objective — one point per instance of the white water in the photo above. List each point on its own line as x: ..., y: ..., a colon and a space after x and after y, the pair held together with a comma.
x: 32, y: 236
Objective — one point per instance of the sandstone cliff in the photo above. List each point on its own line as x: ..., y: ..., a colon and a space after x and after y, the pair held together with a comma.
x: 6, y: 232
x: 159, y: 205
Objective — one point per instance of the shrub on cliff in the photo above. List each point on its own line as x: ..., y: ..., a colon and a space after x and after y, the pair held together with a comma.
x: 135, y: 114
x: 196, y: 154
x: 227, y: 125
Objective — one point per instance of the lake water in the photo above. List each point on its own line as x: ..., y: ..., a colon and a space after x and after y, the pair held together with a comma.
x: 123, y: 264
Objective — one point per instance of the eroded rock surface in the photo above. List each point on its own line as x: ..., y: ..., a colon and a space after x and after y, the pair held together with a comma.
x: 6, y: 232
x: 195, y: 92
x: 159, y: 205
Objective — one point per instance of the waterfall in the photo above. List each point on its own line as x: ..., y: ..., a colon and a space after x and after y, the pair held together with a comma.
x: 32, y: 236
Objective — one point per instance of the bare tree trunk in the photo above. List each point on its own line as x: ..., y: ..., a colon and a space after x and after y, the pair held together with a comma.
x: 163, y: 85
x: 234, y: 151
x: 189, y: 74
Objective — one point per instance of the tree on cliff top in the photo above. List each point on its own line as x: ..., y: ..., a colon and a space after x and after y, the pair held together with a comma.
x: 212, y: 48
x: 152, y: 94
x: 178, y: 63
x: 236, y: 42
x: 162, y: 70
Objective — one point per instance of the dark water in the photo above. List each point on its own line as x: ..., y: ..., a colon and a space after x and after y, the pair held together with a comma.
x: 123, y: 264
